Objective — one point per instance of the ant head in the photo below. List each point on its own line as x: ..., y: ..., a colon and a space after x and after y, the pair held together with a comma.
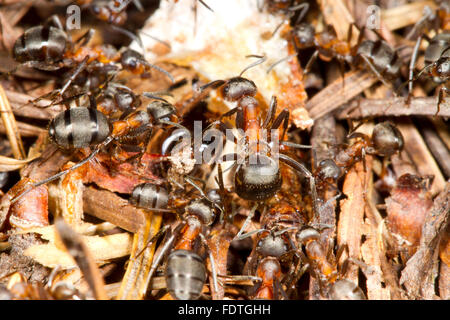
x: 269, y: 268
x: 346, y: 290
x: 307, y: 234
x: 328, y: 169
x: 259, y: 179
x: 203, y: 210
x: 386, y: 139
x: 273, y: 246
x: 441, y: 69
x: 304, y: 35
x: 238, y: 87
x: 214, y: 196
x: 126, y: 99
x: 130, y: 59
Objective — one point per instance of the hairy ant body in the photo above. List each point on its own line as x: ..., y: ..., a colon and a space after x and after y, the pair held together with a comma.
x: 185, y: 270
x: 385, y: 141
x: 49, y: 48
x: 381, y: 59
x: 83, y: 127
x: 273, y: 247
x: 257, y: 176
x: 324, y: 266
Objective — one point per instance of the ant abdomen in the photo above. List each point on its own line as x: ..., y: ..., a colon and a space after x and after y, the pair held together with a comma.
x: 258, y: 181
x: 386, y: 139
x: 185, y: 274
x: 149, y: 196
x: 328, y: 170
x: 79, y: 128
x: 346, y: 290
x: 40, y: 44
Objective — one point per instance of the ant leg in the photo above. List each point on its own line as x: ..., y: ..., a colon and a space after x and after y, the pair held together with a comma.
x: 283, y: 117
x: 213, y: 264
x: 277, y: 287
x: 157, y: 260
x: 205, y: 5
x: 56, y: 176
x: 240, y: 235
x: 359, y: 41
x: 412, y: 64
x: 303, y: 7
x: 153, y: 239
x: 202, y: 193
x: 441, y: 97
x: 271, y: 112
x: 75, y: 73
x: 85, y: 38
x: 305, y: 172
x: 377, y: 74
x: 229, y: 135
x: 311, y: 61
x: 219, y: 181
x: 236, y: 279
x: 138, y: 5
x: 295, y: 145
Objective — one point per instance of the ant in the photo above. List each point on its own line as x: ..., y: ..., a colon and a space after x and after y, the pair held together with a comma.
x: 273, y: 247
x: 378, y: 55
x: 83, y: 127
x: 49, y: 48
x: 257, y: 176
x: 385, y: 141
x: 437, y: 55
x: 324, y: 265
x: 185, y: 270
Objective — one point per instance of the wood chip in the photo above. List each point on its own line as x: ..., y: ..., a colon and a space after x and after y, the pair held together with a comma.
x: 350, y: 222
x: 420, y: 155
x: 394, y: 107
x: 335, y: 94
x: 110, y: 207
x: 135, y: 282
x: 405, y: 15
x: 10, y: 125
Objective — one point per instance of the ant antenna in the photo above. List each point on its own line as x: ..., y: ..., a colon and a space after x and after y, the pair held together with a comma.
x: 261, y: 60
x: 156, y: 95
x: 157, y: 39
x: 205, y: 5
x: 160, y: 70
x: 130, y: 35
x: 280, y: 61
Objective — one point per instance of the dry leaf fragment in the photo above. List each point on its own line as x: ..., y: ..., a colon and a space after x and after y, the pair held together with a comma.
x: 406, y: 210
